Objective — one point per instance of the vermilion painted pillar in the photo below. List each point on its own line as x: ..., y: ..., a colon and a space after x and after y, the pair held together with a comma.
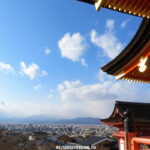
x: 125, y: 140
x: 128, y: 140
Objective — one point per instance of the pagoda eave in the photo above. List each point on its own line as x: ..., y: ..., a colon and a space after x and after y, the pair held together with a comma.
x: 128, y: 65
x: 134, y: 7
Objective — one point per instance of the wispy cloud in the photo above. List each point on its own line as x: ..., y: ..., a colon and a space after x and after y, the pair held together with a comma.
x: 72, y: 47
x: 78, y: 99
x: 74, y: 97
x: 37, y: 87
x: 124, y: 23
x: 99, y: 98
x: 108, y: 42
x: 6, y: 68
x: 32, y: 71
x: 83, y: 62
x: 102, y: 77
x: 68, y: 84
x: 110, y: 25
x: 107, y: 90
x: 47, y: 51
x: 43, y: 73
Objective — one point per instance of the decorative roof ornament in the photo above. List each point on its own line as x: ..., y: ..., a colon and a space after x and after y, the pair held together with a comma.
x: 142, y: 64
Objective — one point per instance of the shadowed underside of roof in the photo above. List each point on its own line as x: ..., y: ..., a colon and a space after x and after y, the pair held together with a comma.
x: 141, y: 113
x: 134, y: 7
x: 126, y: 64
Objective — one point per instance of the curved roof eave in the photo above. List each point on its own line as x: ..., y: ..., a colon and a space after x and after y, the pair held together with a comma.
x: 132, y: 49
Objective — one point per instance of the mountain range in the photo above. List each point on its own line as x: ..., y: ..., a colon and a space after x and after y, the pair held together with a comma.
x: 41, y: 119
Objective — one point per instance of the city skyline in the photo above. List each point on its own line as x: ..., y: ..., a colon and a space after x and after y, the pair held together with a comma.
x: 50, y: 59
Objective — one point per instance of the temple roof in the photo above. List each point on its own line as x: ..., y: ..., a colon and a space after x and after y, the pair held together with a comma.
x: 127, y: 64
x: 92, y: 140
x: 141, y: 113
x: 134, y: 7
x: 133, y: 63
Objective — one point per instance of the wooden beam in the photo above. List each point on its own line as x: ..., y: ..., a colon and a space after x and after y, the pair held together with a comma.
x: 98, y: 4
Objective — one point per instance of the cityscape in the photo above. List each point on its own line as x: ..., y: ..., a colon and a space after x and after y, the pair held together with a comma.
x: 52, y: 137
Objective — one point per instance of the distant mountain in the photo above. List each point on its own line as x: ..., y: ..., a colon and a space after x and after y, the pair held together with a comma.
x: 79, y: 121
x: 42, y: 119
x: 39, y: 119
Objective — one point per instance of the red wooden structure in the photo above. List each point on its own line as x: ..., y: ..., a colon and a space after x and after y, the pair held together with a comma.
x: 133, y: 63
x: 134, y: 126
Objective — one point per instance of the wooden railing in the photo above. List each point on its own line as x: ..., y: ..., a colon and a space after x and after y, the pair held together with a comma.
x: 137, y: 141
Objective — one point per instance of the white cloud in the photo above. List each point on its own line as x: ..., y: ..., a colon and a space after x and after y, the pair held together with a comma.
x: 102, y: 76
x: 110, y: 25
x: 80, y: 100
x: 47, y: 51
x: 6, y: 68
x: 108, y: 42
x: 106, y: 90
x: 75, y: 99
x: 97, y: 100
x: 43, y: 73
x: 32, y: 71
x: 8, y: 109
x: 83, y: 62
x: 91, y: 92
x: 124, y: 23
x: 60, y: 87
x: 37, y: 87
x: 72, y: 46
x: 68, y: 84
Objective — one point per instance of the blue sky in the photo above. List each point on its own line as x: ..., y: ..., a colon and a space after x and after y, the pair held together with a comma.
x: 50, y: 58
